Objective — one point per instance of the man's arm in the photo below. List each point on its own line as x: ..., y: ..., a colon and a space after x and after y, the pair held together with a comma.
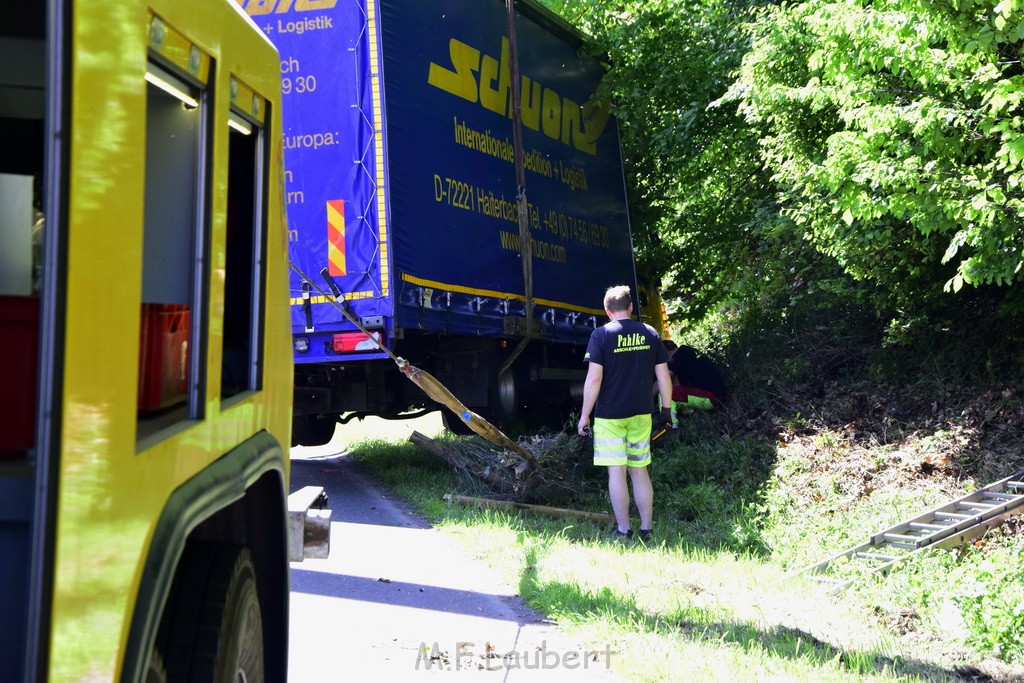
x: 656, y: 389
x: 664, y: 384
x: 591, y: 388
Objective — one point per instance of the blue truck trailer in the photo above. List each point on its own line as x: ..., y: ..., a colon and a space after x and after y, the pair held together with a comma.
x: 412, y: 185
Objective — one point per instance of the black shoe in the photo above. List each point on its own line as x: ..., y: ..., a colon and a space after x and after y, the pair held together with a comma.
x: 617, y: 535
x: 644, y: 535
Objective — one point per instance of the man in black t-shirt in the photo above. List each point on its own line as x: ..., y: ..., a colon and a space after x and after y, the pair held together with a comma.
x: 623, y: 356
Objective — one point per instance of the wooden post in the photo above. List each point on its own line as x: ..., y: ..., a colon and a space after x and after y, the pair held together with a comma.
x: 582, y: 515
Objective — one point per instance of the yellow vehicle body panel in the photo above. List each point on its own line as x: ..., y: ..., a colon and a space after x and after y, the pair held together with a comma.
x: 111, y: 489
x: 652, y: 307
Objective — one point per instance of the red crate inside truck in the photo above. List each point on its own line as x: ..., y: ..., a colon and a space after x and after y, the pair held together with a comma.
x: 19, y: 351
x: 163, y: 356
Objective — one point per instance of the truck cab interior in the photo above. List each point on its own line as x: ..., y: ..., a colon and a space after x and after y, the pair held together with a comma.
x: 22, y: 162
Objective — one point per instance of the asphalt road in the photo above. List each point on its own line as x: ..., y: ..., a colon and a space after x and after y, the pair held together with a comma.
x: 398, y: 600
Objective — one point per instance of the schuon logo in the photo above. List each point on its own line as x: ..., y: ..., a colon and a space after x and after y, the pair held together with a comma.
x: 256, y: 7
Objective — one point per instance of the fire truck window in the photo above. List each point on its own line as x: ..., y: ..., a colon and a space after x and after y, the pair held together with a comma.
x: 174, y: 237
x: 243, y: 274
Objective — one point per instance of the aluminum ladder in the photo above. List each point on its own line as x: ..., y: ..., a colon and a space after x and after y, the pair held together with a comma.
x: 949, y: 525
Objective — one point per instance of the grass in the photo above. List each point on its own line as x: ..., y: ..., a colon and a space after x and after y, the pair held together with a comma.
x: 708, y: 600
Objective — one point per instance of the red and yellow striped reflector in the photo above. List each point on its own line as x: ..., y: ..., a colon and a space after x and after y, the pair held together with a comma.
x: 336, y: 237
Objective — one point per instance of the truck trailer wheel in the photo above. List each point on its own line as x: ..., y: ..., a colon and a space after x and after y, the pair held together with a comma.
x: 215, y: 629
x: 454, y: 424
x: 312, y: 430
x: 502, y: 408
x: 505, y: 399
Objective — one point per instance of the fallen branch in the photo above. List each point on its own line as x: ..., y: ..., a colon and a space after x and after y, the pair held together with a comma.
x: 440, y: 393
x: 436, y: 449
x: 582, y: 515
x: 456, y: 461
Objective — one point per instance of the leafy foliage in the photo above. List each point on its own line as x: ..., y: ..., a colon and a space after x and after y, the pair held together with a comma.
x: 871, y: 150
x: 893, y: 131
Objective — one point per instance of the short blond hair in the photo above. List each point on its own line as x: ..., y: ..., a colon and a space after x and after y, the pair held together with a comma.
x: 617, y: 299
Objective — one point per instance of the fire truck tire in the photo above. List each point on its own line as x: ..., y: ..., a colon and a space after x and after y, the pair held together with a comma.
x: 216, y: 632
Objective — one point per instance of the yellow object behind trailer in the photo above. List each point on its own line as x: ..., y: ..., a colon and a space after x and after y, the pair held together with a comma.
x: 143, y: 139
x: 652, y: 307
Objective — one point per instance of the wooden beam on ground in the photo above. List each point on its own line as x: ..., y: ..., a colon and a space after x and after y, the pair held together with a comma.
x: 548, y: 511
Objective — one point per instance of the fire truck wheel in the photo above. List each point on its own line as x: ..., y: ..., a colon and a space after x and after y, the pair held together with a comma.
x: 217, y: 629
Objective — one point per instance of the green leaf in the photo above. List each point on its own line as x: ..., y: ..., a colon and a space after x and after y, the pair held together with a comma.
x: 1015, y: 148
x: 954, y: 247
x: 954, y: 284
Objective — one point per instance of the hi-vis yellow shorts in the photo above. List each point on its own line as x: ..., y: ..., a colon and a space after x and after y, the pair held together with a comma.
x: 623, y: 441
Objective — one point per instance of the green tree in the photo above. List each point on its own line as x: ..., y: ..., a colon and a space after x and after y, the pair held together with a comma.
x: 893, y: 130
x: 867, y: 150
